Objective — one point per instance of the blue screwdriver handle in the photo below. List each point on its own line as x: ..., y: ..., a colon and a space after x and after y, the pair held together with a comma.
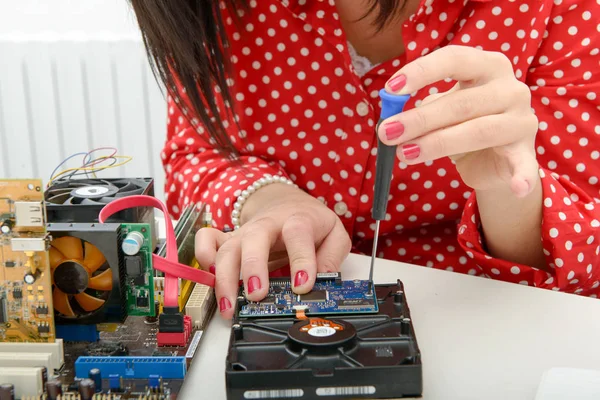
x: 391, y: 104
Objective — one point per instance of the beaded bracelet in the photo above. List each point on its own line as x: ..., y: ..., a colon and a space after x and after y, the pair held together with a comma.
x: 243, y: 197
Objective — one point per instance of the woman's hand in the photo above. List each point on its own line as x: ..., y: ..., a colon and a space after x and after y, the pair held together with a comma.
x: 484, y: 123
x: 279, y: 223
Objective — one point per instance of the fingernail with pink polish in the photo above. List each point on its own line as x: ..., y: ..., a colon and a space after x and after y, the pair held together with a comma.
x: 212, y: 269
x: 224, y: 304
x: 393, y: 130
x: 301, y: 278
x: 397, y: 82
x: 253, y: 284
x: 411, y: 151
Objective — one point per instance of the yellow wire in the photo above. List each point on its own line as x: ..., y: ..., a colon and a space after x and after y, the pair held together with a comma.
x: 96, y: 160
x: 94, y: 168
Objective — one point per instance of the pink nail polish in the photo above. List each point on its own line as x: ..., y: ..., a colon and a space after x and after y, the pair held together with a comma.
x: 253, y: 284
x: 224, y: 304
x: 393, y: 130
x: 212, y: 269
x: 411, y: 151
x: 301, y: 278
x: 397, y: 82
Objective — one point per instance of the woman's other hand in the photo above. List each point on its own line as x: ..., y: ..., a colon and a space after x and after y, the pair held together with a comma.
x: 485, y: 123
x: 280, y: 224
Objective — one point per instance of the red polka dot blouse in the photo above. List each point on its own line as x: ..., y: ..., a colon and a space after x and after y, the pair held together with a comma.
x: 308, y: 112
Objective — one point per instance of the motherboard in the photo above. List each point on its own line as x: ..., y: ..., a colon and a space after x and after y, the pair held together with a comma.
x: 26, y: 311
x: 130, y: 360
x: 330, y: 295
x: 80, y: 301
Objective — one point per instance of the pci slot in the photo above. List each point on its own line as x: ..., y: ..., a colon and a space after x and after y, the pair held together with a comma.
x: 29, y: 360
x: 55, y: 349
x: 26, y: 381
x: 200, y: 304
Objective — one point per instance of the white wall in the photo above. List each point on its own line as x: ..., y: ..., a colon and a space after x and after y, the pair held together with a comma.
x: 72, y: 18
x: 74, y: 76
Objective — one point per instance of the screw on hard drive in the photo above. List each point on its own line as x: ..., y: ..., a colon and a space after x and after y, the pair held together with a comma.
x: 398, y: 296
x: 238, y: 333
x: 405, y: 326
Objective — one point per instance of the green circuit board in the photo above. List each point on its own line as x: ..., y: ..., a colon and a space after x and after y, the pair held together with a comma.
x: 139, y: 274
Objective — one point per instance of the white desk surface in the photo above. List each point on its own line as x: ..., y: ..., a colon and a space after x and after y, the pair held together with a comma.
x: 479, y: 338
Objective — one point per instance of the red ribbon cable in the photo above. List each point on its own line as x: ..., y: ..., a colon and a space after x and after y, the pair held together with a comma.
x: 170, y: 264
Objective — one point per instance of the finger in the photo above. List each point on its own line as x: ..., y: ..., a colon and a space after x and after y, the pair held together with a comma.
x: 448, y: 110
x: 524, y: 168
x: 257, y: 240
x: 461, y: 63
x: 334, y: 249
x: 208, y: 241
x: 433, y: 97
x: 298, y: 236
x: 477, y: 134
x: 227, y: 275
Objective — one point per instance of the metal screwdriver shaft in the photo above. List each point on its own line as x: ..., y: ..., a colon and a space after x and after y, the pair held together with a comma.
x: 386, y: 155
x: 375, y: 240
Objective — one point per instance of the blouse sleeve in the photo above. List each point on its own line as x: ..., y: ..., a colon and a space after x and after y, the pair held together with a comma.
x: 565, y: 85
x: 196, y: 172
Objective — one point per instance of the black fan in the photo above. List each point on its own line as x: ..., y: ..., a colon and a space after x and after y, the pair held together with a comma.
x: 93, y: 191
x: 81, y: 200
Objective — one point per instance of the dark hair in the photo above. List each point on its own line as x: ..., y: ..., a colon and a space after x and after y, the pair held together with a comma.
x: 186, y: 43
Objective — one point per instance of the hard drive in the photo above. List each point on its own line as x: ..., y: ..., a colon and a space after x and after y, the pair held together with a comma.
x: 309, y: 357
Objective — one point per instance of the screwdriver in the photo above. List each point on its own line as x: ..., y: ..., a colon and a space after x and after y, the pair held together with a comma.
x: 391, y: 105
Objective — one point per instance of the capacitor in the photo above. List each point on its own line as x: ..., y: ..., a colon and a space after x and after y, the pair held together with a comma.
x: 96, y: 376
x: 54, y: 389
x: 7, y: 392
x: 87, y: 389
x: 29, y: 278
x: 7, y: 226
x: 132, y: 243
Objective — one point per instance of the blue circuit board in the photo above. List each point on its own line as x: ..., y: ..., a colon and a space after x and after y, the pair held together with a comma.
x: 330, y: 295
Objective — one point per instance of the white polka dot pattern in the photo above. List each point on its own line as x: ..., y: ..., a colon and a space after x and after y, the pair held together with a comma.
x: 305, y: 113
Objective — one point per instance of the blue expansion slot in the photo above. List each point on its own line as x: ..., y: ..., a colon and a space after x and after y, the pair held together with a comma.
x: 133, y: 367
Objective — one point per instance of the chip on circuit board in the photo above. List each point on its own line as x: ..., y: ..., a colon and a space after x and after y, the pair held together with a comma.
x: 315, y: 296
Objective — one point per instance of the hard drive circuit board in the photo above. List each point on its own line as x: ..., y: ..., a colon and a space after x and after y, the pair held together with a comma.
x: 330, y: 295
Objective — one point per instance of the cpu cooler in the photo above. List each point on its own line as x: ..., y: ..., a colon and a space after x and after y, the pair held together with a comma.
x: 87, y: 273
x: 80, y: 200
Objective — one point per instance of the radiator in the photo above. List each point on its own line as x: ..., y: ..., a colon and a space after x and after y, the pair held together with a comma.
x: 67, y: 96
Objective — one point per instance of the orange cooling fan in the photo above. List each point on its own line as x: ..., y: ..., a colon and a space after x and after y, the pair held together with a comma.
x: 81, y: 280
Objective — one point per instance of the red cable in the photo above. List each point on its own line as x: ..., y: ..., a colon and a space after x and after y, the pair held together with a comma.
x: 170, y: 264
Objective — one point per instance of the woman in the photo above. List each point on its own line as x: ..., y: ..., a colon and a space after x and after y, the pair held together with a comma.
x: 497, y: 149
